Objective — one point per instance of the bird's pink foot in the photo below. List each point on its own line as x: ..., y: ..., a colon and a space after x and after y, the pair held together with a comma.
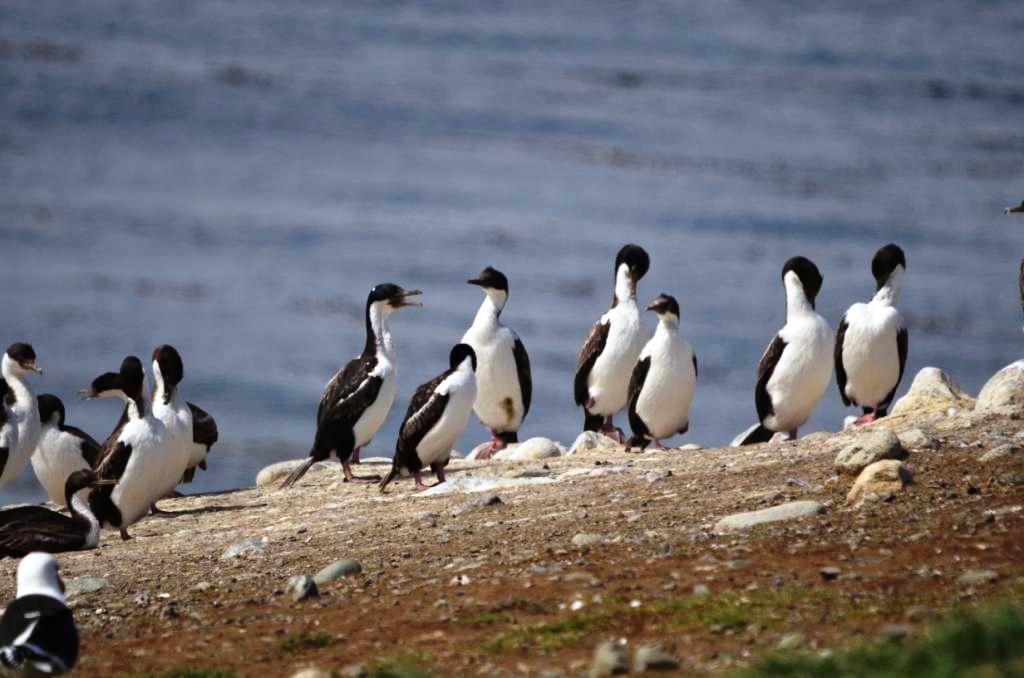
x: 419, y: 482
x: 659, y: 446
x: 866, y: 419
x: 124, y: 534
x: 350, y: 478
x: 355, y: 456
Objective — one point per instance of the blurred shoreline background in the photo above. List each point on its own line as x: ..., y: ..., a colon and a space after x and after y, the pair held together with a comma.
x: 232, y: 178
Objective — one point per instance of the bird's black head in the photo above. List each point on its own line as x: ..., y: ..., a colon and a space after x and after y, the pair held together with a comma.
x: 635, y: 257
x: 79, y: 480
x: 808, y: 274
x: 1016, y: 209
x: 394, y: 296
x: 885, y: 262
x: 664, y: 304
x: 24, y: 356
x: 172, y: 371
x: 459, y: 353
x: 50, y: 405
x: 490, y: 279
x: 132, y: 377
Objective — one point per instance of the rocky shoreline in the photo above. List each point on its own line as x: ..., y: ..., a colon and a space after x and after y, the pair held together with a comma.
x: 578, y: 559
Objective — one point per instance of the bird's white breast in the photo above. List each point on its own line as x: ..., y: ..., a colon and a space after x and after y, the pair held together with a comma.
x: 142, y: 482
x: 664, y: 402
x: 25, y: 415
x: 460, y: 386
x: 373, y: 418
x: 177, y: 420
x: 58, y: 455
x: 9, y: 440
x: 802, y: 373
x: 608, y: 381
x: 870, y: 352
x: 499, y: 398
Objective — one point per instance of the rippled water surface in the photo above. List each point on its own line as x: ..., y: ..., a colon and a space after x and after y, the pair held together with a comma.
x: 232, y: 177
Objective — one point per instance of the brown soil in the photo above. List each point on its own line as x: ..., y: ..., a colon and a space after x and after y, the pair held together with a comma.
x: 491, y: 590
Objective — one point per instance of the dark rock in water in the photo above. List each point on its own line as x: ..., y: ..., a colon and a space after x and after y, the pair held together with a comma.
x: 301, y: 587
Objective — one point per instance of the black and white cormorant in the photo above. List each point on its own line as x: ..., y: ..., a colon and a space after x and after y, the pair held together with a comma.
x: 606, y: 361
x: 436, y: 417
x: 797, y: 365
x: 872, y: 341
x: 504, y: 386
x: 62, y: 449
x: 37, y: 632
x: 664, y: 380
x: 19, y: 360
x: 357, y: 399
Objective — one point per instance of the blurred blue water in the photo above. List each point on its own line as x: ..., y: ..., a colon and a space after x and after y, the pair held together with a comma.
x: 233, y: 177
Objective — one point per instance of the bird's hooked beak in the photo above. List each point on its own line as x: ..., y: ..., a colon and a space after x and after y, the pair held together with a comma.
x: 401, y: 299
x: 103, y: 483
x: 31, y: 366
x: 1016, y: 209
x: 475, y: 281
x: 657, y: 305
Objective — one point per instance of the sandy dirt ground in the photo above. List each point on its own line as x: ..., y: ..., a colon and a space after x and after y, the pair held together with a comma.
x: 602, y: 544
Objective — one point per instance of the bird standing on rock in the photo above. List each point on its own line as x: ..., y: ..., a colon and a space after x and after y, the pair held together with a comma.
x: 357, y: 399
x: 503, y: 379
x: 872, y: 342
x: 37, y: 632
x: 664, y: 380
x: 436, y: 417
x: 796, y: 367
x: 605, y: 363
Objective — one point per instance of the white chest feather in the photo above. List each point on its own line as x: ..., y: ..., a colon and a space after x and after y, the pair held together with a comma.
x: 461, y: 389
x: 870, y: 352
x: 664, y: 402
x: 57, y: 456
x: 803, y: 372
x: 499, y: 398
x: 8, y: 441
x: 608, y: 381
x: 373, y: 417
x: 24, y: 414
x: 177, y: 420
x: 142, y: 482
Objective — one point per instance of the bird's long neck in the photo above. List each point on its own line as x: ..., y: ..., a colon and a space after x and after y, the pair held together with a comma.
x: 668, y: 325
x: 24, y: 401
x: 797, y: 303
x: 378, y: 336
x: 82, y: 514
x: 136, y: 406
x: 487, y: 316
x: 888, y: 293
x: 625, y: 287
x: 162, y: 391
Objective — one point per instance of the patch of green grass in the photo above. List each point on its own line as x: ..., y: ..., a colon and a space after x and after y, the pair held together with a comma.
x: 968, y: 644
x: 185, y: 672
x: 405, y: 665
x: 486, y: 617
x: 304, y: 640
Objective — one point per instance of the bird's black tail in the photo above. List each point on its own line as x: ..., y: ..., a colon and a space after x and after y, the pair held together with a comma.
x: 758, y: 435
x: 188, y: 475
x: 299, y: 472
x: 392, y: 474
x: 638, y: 442
x: 509, y: 437
x: 592, y: 422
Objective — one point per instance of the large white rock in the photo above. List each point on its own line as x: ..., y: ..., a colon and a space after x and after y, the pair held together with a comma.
x: 276, y: 473
x: 534, y: 448
x: 1004, y: 392
x: 932, y: 390
x: 591, y: 440
x: 787, y: 511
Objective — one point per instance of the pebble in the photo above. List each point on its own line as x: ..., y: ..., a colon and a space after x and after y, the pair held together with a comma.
x: 301, y: 587
x: 534, y: 448
x: 701, y: 590
x: 916, y: 439
x: 653, y: 658
x: 1000, y: 452
x: 1013, y: 478
x: 247, y: 547
x: 337, y: 570
x: 355, y: 671
x: 586, y: 539
x: 79, y: 585
x: 312, y: 672
x: 610, y: 659
x: 894, y: 632
x: 830, y: 573
x: 869, y: 448
x: 591, y: 440
x: 474, y: 504
x: 792, y: 641
x: 655, y: 476
x: 881, y: 481
x: 971, y: 577
x: 919, y: 613
x: 788, y: 511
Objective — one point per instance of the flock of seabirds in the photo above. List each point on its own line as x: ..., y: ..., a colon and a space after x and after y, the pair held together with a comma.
x: 161, y: 439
